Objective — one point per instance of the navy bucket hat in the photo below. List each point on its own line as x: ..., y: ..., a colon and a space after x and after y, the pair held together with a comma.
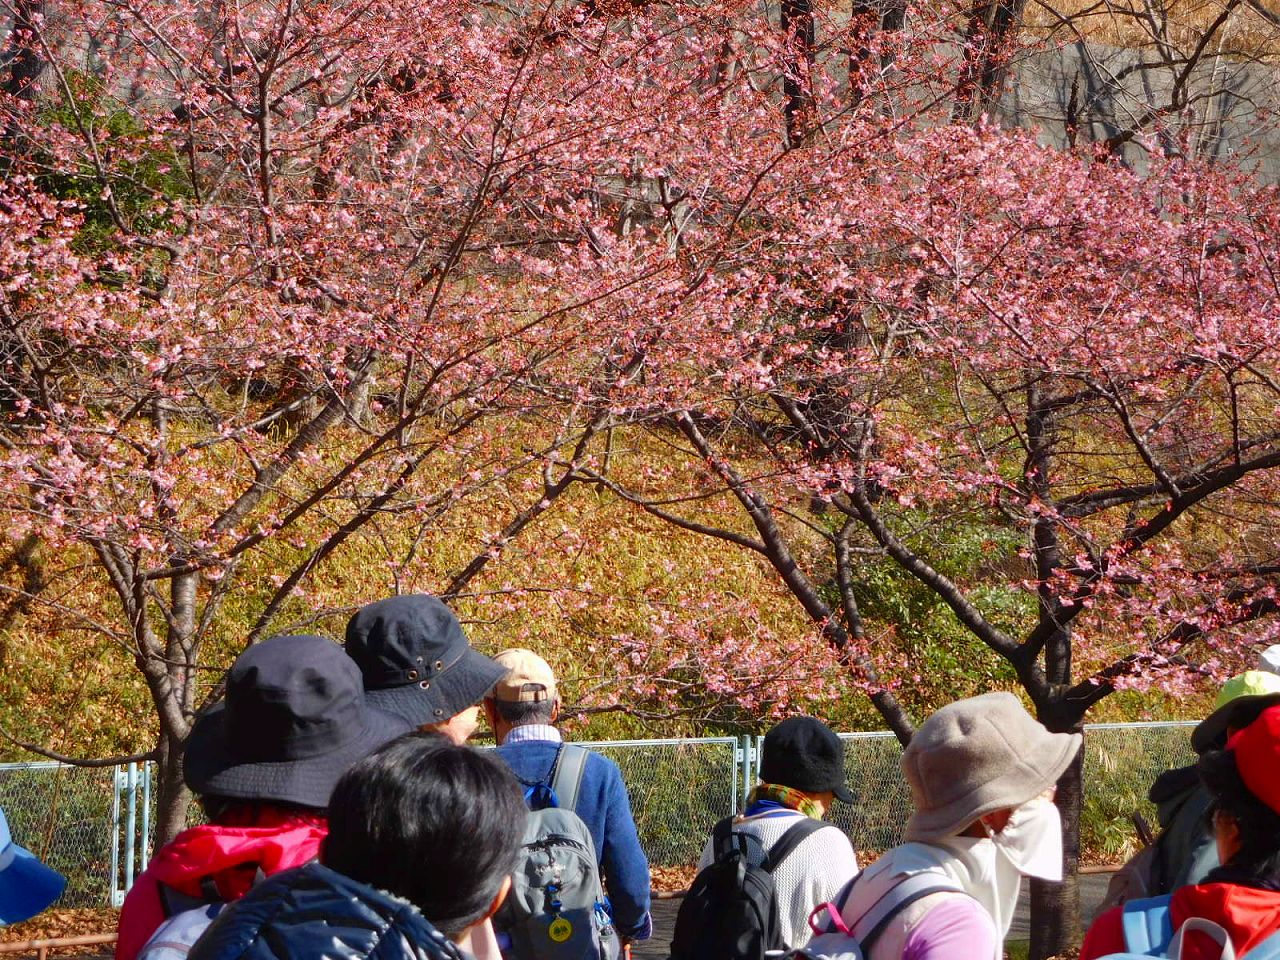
x: 294, y: 719
x: 27, y: 886
x: 416, y: 661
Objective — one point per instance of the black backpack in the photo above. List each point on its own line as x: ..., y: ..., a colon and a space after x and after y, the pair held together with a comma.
x: 731, y: 911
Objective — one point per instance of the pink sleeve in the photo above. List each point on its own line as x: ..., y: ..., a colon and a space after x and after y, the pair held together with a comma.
x: 955, y: 927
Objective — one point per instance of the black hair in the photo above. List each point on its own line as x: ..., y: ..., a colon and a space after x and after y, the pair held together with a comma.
x: 524, y: 712
x: 1257, y: 861
x: 428, y: 820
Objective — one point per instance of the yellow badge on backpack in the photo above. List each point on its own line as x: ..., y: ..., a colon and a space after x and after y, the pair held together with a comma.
x: 560, y: 930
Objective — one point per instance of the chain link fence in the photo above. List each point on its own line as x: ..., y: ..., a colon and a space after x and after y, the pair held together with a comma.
x: 678, y: 790
x: 94, y: 825
x: 881, y: 800
x: 1120, y: 762
x: 66, y: 816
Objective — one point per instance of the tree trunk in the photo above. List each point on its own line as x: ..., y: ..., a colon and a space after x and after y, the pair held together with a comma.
x: 864, y: 20
x: 172, y: 795
x: 989, y: 42
x: 1055, y: 907
x: 796, y: 21
x: 25, y: 65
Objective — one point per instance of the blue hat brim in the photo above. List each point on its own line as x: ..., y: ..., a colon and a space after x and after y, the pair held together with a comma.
x: 27, y: 887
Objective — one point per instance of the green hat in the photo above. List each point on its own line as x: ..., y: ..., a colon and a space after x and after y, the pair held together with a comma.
x: 1252, y: 686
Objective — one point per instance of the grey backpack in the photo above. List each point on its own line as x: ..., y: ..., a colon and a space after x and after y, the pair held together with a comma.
x: 557, y: 908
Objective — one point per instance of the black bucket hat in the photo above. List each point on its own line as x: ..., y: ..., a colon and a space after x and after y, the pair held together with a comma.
x: 805, y: 753
x: 294, y: 719
x: 416, y: 660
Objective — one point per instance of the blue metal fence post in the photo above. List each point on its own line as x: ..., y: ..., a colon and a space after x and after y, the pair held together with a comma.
x: 145, y: 853
x: 131, y: 826
x: 750, y: 757
x: 739, y: 752
x: 117, y: 895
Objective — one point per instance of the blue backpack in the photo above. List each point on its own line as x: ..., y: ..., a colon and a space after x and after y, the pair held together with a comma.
x: 1148, y: 932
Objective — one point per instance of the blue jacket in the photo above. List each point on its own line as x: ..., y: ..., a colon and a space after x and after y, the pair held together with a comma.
x: 314, y: 913
x: 604, y: 807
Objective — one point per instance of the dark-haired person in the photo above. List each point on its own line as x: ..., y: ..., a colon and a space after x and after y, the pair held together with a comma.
x: 422, y: 839
x: 263, y: 763
x: 1242, y: 895
x: 418, y: 664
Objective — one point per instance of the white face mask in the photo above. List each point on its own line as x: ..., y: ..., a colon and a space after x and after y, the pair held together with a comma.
x: 1032, y: 840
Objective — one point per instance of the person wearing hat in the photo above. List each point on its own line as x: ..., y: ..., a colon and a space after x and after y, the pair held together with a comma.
x: 423, y: 838
x: 263, y: 763
x: 1240, y: 896
x: 27, y: 886
x: 1184, y: 852
x: 522, y: 710
x: 418, y: 664
x: 801, y: 775
x: 982, y: 773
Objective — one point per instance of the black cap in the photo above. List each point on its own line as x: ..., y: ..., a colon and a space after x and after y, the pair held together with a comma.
x: 416, y: 660
x: 294, y: 719
x: 805, y: 753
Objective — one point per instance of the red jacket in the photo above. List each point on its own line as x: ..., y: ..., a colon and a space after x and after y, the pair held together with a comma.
x: 1249, y: 915
x: 228, y: 855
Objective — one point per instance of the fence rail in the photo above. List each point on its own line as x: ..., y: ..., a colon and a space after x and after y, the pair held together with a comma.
x: 94, y: 825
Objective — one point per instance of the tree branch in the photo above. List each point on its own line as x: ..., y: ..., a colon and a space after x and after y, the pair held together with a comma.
x: 77, y: 761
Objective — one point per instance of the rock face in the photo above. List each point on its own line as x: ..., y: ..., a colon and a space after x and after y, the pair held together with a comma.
x: 1232, y: 112
x: 1231, y: 106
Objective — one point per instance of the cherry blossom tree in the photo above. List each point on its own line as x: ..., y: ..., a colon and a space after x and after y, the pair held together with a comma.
x: 265, y: 265
x: 270, y: 264
x: 976, y: 332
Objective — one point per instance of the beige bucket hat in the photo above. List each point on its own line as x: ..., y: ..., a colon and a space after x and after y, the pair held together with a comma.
x: 976, y: 756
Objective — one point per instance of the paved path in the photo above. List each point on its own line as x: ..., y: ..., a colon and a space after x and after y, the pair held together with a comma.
x: 1092, y: 888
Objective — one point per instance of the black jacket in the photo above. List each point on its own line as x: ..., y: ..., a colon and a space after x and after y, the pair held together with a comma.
x: 318, y: 914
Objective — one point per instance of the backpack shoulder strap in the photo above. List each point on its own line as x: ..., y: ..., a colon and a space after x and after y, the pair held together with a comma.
x: 1268, y: 949
x: 900, y: 896
x: 566, y: 781
x: 1210, y: 929
x: 173, y: 901
x: 796, y: 834
x: 722, y: 839
x: 1147, y: 925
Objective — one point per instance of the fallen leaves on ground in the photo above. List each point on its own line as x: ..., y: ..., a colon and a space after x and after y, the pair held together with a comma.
x: 671, y: 879
x: 59, y: 923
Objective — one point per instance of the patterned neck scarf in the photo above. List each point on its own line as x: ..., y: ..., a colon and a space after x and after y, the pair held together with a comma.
x: 788, y: 797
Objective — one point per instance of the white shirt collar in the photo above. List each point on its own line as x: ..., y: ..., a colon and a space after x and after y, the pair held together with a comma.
x: 533, y: 731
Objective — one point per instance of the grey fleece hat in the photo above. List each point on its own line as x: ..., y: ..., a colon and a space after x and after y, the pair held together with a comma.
x: 976, y: 756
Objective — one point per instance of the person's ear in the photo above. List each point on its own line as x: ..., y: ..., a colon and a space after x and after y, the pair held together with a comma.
x: 555, y: 711
x: 501, y: 896
x: 490, y: 713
